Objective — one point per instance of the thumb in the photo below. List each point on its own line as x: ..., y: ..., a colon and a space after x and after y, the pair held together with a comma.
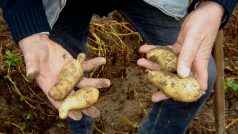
x: 187, y: 56
x: 32, y: 65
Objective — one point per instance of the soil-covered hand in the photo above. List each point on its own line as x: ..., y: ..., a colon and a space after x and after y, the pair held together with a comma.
x: 44, y: 60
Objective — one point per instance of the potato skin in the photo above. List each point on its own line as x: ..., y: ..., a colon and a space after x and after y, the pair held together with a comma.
x: 70, y: 75
x: 83, y: 98
x: 180, y: 89
x: 165, y: 57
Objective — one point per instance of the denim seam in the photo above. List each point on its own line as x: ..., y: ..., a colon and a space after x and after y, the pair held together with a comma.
x: 157, y: 117
x: 146, y: 39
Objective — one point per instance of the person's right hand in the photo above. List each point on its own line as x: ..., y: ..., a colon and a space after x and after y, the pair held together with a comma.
x: 44, y: 60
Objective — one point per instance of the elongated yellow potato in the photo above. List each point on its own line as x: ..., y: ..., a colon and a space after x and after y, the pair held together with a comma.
x: 70, y: 75
x: 165, y: 57
x: 83, y: 98
x: 180, y: 89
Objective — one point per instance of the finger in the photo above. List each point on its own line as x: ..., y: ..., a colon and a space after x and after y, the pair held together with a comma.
x: 148, y: 64
x: 94, y: 82
x: 32, y: 73
x: 32, y: 66
x: 92, y: 112
x: 187, y: 55
x: 158, y: 96
x: 176, y: 47
x: 146, y: 48
x: 93, y: 63
x: 201, y: 73
x: 75, y: 115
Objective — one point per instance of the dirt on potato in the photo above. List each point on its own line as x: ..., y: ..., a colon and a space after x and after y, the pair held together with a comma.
x: 184, y: 90
x: 165, y: 57
x: 70, y: 75
x: 82, y: 99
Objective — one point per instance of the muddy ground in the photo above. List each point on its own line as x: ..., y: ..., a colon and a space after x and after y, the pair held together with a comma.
x: 25, y: 109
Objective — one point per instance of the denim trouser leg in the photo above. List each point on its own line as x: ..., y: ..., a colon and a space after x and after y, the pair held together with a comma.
x: 83, y: 126
x: 168, y: 116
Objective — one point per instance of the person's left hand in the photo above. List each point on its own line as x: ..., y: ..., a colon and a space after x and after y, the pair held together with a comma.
x: 194, y: 44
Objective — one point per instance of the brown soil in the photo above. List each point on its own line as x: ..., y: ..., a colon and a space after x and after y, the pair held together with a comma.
x: 123, y: 106
x: 126, y: 103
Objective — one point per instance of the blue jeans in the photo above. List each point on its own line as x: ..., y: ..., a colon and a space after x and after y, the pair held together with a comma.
x: 165, y: 117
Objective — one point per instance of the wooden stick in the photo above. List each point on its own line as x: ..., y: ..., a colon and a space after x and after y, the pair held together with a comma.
x: 219, y: 85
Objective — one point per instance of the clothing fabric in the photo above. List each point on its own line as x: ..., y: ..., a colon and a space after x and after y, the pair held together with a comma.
x: 228, y: 5
x: 24, y: 17
x: 83, y: 126
x: 165, y: 117
x: 27, y: 17
x: 174, y: 8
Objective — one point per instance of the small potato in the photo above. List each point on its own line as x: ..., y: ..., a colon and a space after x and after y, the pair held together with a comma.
x: 70, y: 75
x: 83, y: 98
x: 180, y: 89
x: 165, y: 57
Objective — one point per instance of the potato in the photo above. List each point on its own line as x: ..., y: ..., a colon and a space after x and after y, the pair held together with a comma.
x: 180, y: 89
x: 83, y: 98
x: 70, y: 75
x: 165, y: 57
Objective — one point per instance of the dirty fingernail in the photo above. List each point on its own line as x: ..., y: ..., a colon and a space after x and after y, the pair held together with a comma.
x: 32, y: 75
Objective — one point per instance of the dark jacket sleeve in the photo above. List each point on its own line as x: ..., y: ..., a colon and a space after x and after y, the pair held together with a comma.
x: 228, y: 5
x: 24, y: 17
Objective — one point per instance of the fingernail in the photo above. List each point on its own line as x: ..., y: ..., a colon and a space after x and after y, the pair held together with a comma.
x: 102, y: 60
x: 184, y: 71
x: 31, y: 75
x: 108, y: 82
x: 105, y: 83
x: 139, y: 62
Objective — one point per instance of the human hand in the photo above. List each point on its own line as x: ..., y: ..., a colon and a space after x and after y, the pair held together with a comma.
x: 196, y: 40
x: 194, y: 44
x: 44, y: 60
